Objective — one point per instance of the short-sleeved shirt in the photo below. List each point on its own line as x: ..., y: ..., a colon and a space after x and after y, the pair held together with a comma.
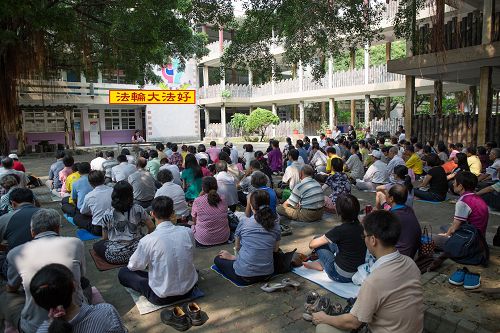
x: 107, y: 166
x: 439, y: 182
x: 143, y: 184
x: 99, y: 318
x: 496, y: 186
x: 292, y: 174
x: 70, y: 181
x: 391, y: 297
x: 124, y: 226
x: 474, y: 164
x: 409, y: 200
x: 273, y: 199
x: 174, y: 192
x: 226, y: 187
x: 355, y: 166
x: 415, y: 163
x: 80, y: 189
x: 255, y: 257
x: 409, y: 240
x: 97, y: 202
x: 15, y: 227
x: 153, y: 166
x: 214, y: 152
x: 211, y: 226
x: 339, y: 184
x: 63, y: 175
x: 176, y: 159
x: 308, y: 193
x: 275, y: 159
x: 193, y: 184
x: 122, y: 171
x: 471, y: 208
x: 174, y: 169
x: 54, y: 173
x: 352, y: 249
x: 376, y: 173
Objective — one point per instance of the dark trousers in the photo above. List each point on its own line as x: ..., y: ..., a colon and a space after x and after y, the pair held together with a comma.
x: 226, y: 267
x: 492, y: 199
x: 428, y: 195
x: 68, y: 208
x: 82, y: 221
x: 138, y: 281
x: 242, y: 198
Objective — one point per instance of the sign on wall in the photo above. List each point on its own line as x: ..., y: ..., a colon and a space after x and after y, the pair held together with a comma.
x: 152, y: 97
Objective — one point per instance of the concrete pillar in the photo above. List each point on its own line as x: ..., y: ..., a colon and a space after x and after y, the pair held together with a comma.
x: 352, y: 65
x: 99, y: 76
x: 205, y: 76
x: 431, y: 103
x: 221, y: 39
x: 331, y: 112
x: 330, y: 72
x: 367, y: 63
x: 83, y: 79
x: 207, y: 118
x: 301, y: 76
x: 353, y: 111
x: 274, y: 109
x: 367, y: 109
x: 64, y: 76
x: 223, y: 120
x: 485, y: 104
x: 388, y: 51
x: 301, y: 115
x: 250, y: 77
x: 409, y: 104
x: 488, y: 21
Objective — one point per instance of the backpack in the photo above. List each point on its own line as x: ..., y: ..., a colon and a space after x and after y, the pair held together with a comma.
x: 467, y: 246
x: 283, y: 261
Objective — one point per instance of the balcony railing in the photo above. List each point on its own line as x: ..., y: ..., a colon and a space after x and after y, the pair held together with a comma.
x: 376, y: 74
x: 63, y: 88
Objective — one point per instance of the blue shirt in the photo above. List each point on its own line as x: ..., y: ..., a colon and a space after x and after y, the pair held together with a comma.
x: 255, y: 257
x: 304, y: 154
x: 54, y: 173
x: 80, y: 189
x: 272, y: 197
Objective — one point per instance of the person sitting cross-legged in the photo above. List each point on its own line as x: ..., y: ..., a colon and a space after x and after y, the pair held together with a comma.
x: 260, y: 181
x: 121, y: 226
x: 375, y: 175
x: 256, y: 239
x: 391, y: 297
x: 143, y: 184
x: 174, y: 191
x: 226, y: 185
x: 399, y: 176
x: 338, y: 183
x: 96, y: 202
x: 307, y: 199
x: 168, y: 253
x: 79, y: 190
x: 435, y: 180
x: 491, y: 195
x: 342, y: 249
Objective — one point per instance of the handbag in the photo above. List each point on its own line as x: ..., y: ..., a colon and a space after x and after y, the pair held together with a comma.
x: 467, y: 246
x: 427, y: 244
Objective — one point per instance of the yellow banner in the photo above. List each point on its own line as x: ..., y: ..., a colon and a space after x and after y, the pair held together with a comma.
x: 152, y: 96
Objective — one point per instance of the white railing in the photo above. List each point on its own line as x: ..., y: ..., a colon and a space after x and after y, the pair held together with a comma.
x: 69, y: 88
x: 385, y: 125
x: 376, y: 74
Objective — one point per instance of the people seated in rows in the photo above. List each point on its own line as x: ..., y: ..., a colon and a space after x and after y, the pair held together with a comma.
x: 256, y: 239
x: 461, y: 163
x: 342, y: 249
x: 143, y: 183
x: 264, y: 167
x: 121, y: 226
x: 434, y: 185
x: 9, y: 183
x: 123, y: 169
x: 108, y: 165
x: 442, y: 151
x: 302, y: 151
x: 15, y: 226
x: 53, y: 287
x: 79, y: 190
x: 248, y: 155
x: 483, y: 157
x: 394, y: 160
x: 474, y: 162
x: 68, y: 162
x: 191, y: 177
x: 260, y: 181
x: 96, y: 163
x: 375, y: 175
x: 209, y: 216
x: 130, y: 158
x: 226, y: 185
x: 491, y: 174
x: 168, y: 254
x: 173, y: 168
x: 391, y: 297
x: 413, y: 161
x: 306, y: 200
x: 47, y: 247
x: 213, y: 152
x: 204, y: 167
x: 274, y: 157
x: 399, y: 176
x: 17, y: 165
x: 491, y: 195
x: 338, y: 183
x: 175, y: 157
x: 7, y: 168
x: 344, y: 149
x: 202, y: 153
x: 53, y: 183
x: 96, y: 203
x: 174, y: 191
x: 354, y: 164
x: 153, y: 164
x: 317, y: 158
x: 232, y: 168
x: 409, y: 239
x: 331, y: 153
x: 168, y: 149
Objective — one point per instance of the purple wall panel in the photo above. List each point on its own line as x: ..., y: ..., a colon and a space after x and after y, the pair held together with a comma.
x: 111, y: 137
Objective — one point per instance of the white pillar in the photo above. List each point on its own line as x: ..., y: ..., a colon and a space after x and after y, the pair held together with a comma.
x: 64, y: 76
x: 223, y: 120
x: 250, y: 77
x: 331, y: 113
x: 367, y: 63
x: 301, y: 76
x: 207, y: 118
x: 367, y: 109
x: 205, y: 76
x: 330, y: 72
x: 301, y: 115
x: 275, y: 112
x: 99, y: 76
x: 83, y: 79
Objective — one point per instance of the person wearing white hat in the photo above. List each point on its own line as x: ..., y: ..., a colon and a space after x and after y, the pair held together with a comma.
x: 375, y: 175
x: 17, y: 164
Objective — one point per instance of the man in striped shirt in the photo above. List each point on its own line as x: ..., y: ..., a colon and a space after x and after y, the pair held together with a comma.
x: 307, y: 199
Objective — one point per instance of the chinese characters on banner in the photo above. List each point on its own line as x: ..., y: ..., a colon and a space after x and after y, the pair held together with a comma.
x: 152, y: 96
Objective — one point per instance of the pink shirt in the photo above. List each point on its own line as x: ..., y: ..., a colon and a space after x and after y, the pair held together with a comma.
x: 214, y: 154
x: 471, y: 208
x: 63, y: 174
x: 211, y: 226
x: 206, y: 172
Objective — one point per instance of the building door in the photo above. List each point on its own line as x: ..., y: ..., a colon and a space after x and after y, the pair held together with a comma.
x: 94, y: 128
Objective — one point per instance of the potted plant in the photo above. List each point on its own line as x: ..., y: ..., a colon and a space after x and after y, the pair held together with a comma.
x: 225, y: 94
x: 295, y: 126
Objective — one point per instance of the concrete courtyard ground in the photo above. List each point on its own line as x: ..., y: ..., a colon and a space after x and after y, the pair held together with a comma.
x: 231, y: 309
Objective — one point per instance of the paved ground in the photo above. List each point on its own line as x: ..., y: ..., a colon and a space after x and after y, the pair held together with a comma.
x: 233, y: 309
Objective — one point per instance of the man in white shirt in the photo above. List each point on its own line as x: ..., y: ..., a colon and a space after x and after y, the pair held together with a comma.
x: 122, y: 170
x: 375, y: 175
x: 174, y: 192
x: 27, y: 259
x: 226, y: 185
x: 168, y: 253
x: 322, y: 141
x: 402, y: 135
x: 394, y: 160
x: 292, y: 172
x: 96, y: 202
x: 7, y: 169
x: 492, y: 172
x: 143, y: 183
x: 96, y: 163
x: 174, y: 169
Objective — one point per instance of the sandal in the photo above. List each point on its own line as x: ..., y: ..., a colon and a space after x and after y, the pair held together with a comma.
x: 285, y: 230
x: 291, y: 283
x: 270, y: 287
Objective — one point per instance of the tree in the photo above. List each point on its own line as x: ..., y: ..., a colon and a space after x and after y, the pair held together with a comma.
x: 40, y: 38
x: 238, y: 122
x: 259, y: 120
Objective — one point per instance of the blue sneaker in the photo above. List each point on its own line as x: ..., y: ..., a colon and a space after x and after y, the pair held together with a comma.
x: 472, y: 281
x: 457, y: 278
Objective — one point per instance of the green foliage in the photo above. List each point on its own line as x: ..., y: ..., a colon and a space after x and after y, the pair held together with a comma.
x: 323, y: 127
x: 377, y: 56
x: 259, y: 120
x: 226, y: 94
x: 238, y: 121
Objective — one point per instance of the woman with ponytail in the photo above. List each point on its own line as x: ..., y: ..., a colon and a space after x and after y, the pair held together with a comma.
x: 210, y: 226
x: 256, y: 239
x: 400, y: 176
x: 52, y: 288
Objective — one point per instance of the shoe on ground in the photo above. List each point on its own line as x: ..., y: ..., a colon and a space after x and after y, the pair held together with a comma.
x: 176, y: 318
x: 457, y: 278
x: 193, y: 311
x: 472, y: 281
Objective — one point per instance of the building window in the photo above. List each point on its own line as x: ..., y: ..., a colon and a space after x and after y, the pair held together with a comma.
x: 43, y: 121
x: 119, y: 119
